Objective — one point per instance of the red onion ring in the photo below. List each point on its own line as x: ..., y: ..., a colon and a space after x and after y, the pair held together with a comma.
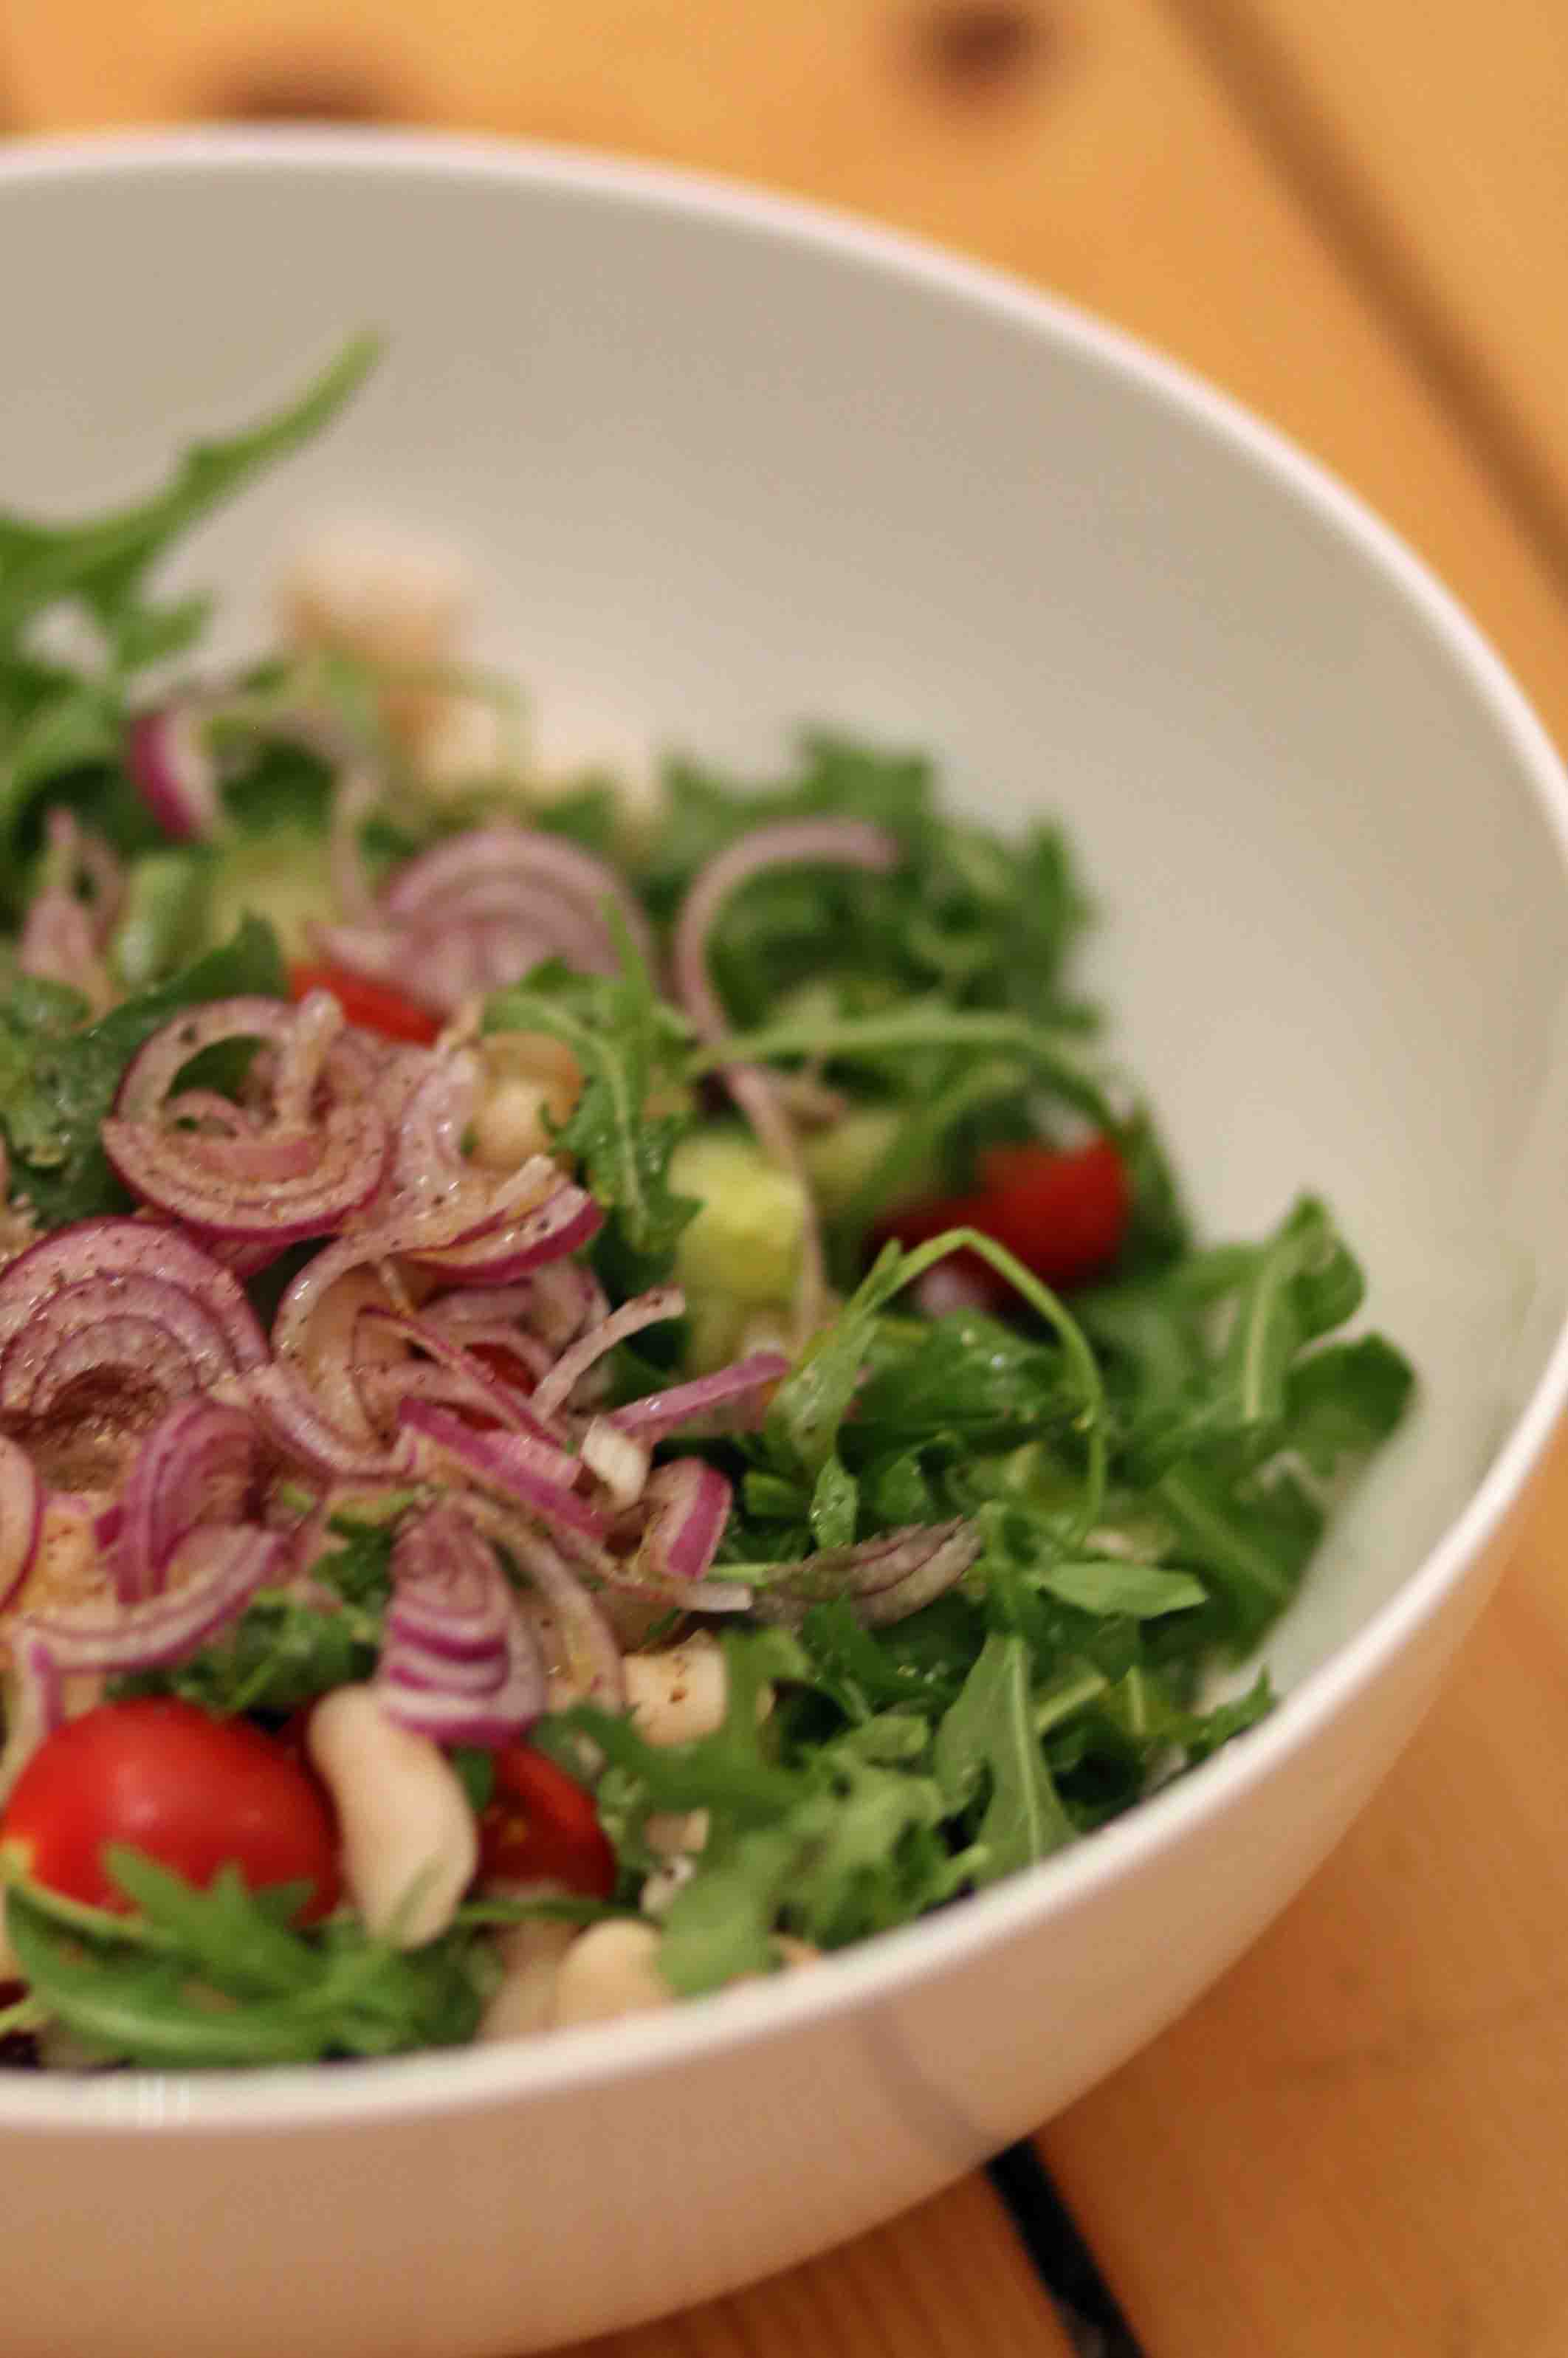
x: 689, y: 1507
x: 226, y: 1564
x: 449, y: 1596
x: 201, y: 1447
x: 569, y: 1625
x: 284, y: 1407
x: 511, y: 1463
x: 794, y: 843
x: 484, y: 1391
x: 432, y: 880
x: 152, y: 1072
x: 165, y: 1168
x: 168, y: 762
x: 487, y: 1720
x: 556, y: 1302
x: 735, y: 1386
x: 886, y: 1578
x: 651, y: 1309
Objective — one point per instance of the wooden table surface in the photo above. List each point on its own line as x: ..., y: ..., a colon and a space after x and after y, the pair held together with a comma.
x: 1353, y: 213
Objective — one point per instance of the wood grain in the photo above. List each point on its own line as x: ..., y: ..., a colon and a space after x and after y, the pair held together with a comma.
x: 949, y: 2280
x: 1355, y: 2144
x: 1433, y: 135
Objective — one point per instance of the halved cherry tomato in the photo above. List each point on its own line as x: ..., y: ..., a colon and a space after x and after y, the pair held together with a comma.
x: 540, y: 1826
x: 374, y: 1006
x: 194, y: 1792
x: 1063, y: 1215
x: 505, y: 1364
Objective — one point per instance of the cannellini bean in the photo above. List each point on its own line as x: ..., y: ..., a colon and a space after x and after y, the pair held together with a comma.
x: 610, y: 1969
x: 509, y: 1124
x: 472, y: 742
x: 389, y: 597
x: 682, y: 1692
x: 524, y: 2001
x: 409, y: 1845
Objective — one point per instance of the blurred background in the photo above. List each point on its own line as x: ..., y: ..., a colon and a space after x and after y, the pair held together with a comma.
x: 1352, y: 212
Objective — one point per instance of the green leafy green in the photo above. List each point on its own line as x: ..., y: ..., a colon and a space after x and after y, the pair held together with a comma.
x: 988, y: 1743
x: 216, y: 1978
x: 56, y: 1085
x: 630, y: 1045
x: 62, y: 726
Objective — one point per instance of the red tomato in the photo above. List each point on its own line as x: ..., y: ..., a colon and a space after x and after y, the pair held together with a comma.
x: 374, y: 1006
x: 193, y: 1792
x: 1063, y: 1216
x: 540, y: 1826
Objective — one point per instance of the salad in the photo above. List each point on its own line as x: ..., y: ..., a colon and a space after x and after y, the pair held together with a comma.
x: 602, y: 1393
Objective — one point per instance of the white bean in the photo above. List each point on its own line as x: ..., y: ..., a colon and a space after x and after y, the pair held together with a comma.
x: 678, y: 1695
x: 409, y: 1845
x: 524, y: 2001
x: 610, y: 1969
x: 683, y: 1693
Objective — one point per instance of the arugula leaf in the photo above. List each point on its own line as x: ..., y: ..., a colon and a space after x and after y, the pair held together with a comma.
x: 53, y: 1099
x: 215, y: 1978
x: 987, y: 1743
x: 629, y: 1044
x: 101, y: 562
x: 1109, y: 1584
x: 989, y: 924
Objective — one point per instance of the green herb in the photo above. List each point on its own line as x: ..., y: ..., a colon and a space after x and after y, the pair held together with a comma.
x: 215, y: 1978
x: 60, y: 727
x: 629, y: 1044
x: 54, y: 1096
x: 988, y: 1743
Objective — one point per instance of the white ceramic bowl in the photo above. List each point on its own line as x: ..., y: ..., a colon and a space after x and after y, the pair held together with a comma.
x: 722, y: 463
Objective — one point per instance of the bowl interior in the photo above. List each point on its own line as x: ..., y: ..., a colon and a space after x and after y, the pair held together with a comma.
x: 715, y: 479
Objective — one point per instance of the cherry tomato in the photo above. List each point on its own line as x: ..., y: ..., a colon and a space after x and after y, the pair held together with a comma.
x: 374, y: 1006
x: 540, y: 1826
x: 1063, y: 1215
x: 193, y: 1792
x: 505, y: 1365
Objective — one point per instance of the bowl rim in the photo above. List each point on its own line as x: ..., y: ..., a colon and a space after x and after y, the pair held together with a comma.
x: 460, y: 2079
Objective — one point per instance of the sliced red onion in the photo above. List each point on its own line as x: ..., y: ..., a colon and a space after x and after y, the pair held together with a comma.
x: 581, y: 1657
x: 508, y: 1462
x: 886, y: 1578
x: 284, y: 1407
x: 649, y: 1309
x: 482, y: 1389
x: 792, y: 843
x: 103, y: 1249
x: 214, y: 1575
x: 302, y: 1058
x: 167, y: 1168
x: 619, y: 1461
x: 734, y: 1389
x: 153, y: 1071
x: 168, y: 761
x: 127, y: 1350
x: 449, y: 1596
x: 688, y: 1505
x: 564, y: 1223
x: 487, y: 1720
x: 555, y: 1303
x: 195, y: 1466
x: 434, y: 880
x: 21, y: 1518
